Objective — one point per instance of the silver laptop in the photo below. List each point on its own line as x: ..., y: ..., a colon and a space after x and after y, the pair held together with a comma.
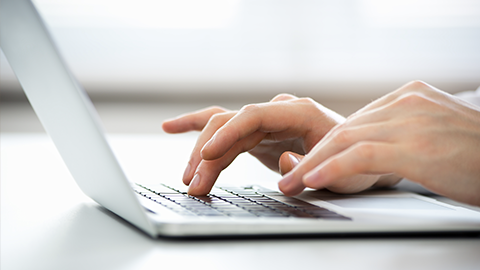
x: 69, y: 117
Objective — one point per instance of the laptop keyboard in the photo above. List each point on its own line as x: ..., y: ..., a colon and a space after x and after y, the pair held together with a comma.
x: 251, y: 201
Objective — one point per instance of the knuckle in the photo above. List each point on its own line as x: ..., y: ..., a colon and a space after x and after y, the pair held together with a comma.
x: 308, y: 105
x: 343, y: 136
x: 283, y: 97
x: 250, y: 108
x: 365, y: 151
x: 334, y: 166
x: 417, y: 84
x: 305, y: 100
x: 412, y: 98
x: 216, y: 109
x: 219, y: 119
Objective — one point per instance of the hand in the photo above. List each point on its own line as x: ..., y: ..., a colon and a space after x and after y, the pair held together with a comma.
x: 417, y: 131
x: 278, y: 133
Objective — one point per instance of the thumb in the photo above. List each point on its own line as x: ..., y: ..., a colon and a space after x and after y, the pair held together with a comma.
x: 288, y: 160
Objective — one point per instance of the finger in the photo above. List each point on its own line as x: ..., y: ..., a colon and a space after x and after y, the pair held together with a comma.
x: 375, y: 125
x: 191, y: 121
x: 208, y: 170
x: 288, y: 160
x: 283, y: 120
x: 335, y: 142
x: 292, y: 183
x: 362, y: 158
x: 214, y: 123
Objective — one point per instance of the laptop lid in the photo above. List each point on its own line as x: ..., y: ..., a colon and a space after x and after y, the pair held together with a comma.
x: 65, y: 111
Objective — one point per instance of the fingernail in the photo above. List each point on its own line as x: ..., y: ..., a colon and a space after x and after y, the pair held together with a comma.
x: 186, y: 174
x: 293, y: 160
x: 194, y: 183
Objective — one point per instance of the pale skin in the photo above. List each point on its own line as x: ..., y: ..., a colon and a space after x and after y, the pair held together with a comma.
x: 416, y: 132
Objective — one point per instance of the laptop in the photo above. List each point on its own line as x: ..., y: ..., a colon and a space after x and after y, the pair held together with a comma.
x: 160, y: 210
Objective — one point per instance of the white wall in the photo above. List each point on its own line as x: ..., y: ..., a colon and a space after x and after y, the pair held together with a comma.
x: 332, y: 49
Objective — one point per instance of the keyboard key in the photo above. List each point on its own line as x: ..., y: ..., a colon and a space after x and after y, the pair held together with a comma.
x: 206, y: 199
x: 270, y: 214
x: 241, y: 214
x: 235, y: 202
x: 291, y: 201
x: 160, y: 189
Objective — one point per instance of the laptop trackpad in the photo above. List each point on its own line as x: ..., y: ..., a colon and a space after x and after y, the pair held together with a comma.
x: 399, y: 203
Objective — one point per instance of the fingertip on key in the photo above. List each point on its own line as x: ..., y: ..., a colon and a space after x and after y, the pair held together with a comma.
x: 192, y: 190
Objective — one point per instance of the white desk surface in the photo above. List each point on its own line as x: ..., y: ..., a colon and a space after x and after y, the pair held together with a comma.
x: 47, y: 223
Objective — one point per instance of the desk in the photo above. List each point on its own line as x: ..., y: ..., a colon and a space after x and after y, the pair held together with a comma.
x: 47, y: 222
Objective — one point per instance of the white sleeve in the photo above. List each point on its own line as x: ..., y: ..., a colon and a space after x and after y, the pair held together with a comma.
x: 470, y: 96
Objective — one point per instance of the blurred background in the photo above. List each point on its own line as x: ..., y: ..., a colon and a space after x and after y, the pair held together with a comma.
x: 142, y: 61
